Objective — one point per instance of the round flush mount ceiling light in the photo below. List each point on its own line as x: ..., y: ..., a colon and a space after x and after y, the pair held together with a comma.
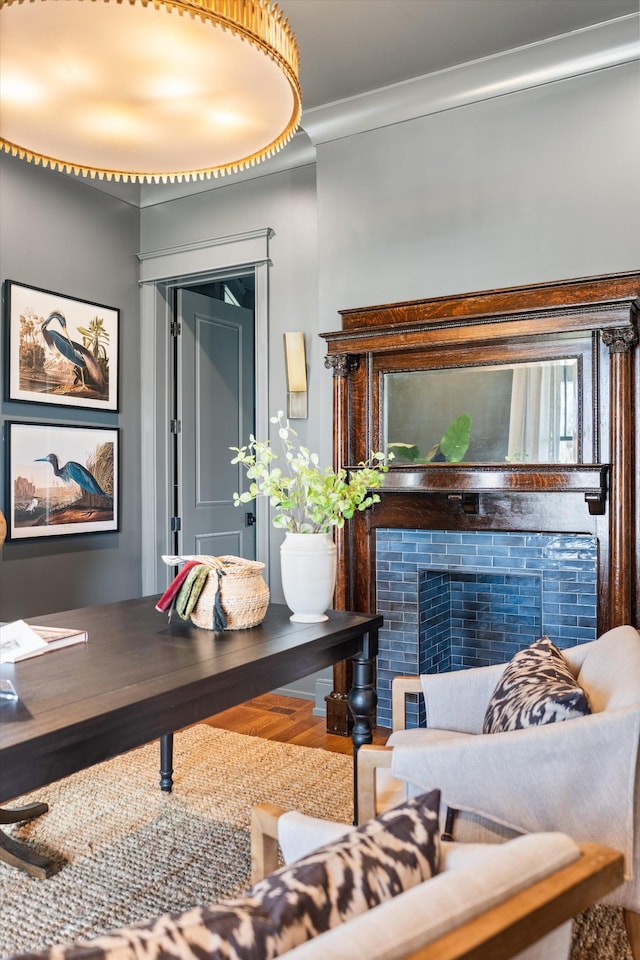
x: 146, y: 91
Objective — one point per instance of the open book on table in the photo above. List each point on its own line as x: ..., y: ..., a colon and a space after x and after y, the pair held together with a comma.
x: 20, y: 640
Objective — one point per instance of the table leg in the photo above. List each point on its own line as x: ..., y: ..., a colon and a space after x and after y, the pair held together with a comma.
x: 166, y: 762
x: 362, y: 699
x: 17, y: 854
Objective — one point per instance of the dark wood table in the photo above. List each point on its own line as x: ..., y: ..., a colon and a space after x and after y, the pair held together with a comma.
x: 140, y: 678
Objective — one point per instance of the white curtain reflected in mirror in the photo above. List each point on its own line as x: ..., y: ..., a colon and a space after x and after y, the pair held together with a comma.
x: 515, y: 413
x: 542, y: 414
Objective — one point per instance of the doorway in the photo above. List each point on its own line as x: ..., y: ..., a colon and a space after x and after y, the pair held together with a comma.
x: 213, y: 409
x: 162, y: 272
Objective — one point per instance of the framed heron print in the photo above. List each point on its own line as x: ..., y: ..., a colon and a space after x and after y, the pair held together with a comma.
x: 61, y: 480
x: 60, y: 350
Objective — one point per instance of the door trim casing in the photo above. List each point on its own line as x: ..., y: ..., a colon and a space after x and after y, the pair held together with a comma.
x: 161, y: 272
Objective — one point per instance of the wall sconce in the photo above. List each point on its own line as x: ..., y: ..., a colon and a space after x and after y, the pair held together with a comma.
x: 296, y: 365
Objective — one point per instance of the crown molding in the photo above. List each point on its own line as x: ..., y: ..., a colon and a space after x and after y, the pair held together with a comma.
x: 579, y: 52
x: 569, y: 55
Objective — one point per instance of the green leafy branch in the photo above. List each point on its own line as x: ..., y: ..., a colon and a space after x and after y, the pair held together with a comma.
x: 306, y: 497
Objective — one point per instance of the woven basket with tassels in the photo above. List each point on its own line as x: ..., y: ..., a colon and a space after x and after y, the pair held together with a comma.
x: 234, y: 596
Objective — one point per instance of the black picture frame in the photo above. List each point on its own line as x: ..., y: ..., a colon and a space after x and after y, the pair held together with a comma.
x: 60, y: 350
x: 52, y: 473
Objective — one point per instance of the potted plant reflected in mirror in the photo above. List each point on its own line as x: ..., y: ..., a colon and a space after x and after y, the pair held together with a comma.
x: 451, y: 447
x: 308, y: 501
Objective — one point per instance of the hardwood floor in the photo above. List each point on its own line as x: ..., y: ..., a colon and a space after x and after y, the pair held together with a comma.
x: 287, y: 719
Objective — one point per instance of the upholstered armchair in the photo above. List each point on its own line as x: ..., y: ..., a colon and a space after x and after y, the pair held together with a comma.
x: 581, y: 776
x: 487, y: 901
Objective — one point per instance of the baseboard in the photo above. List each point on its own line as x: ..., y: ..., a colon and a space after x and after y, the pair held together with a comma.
x: 323, y: 689
x: 298, y: 692
x: 301, y: 691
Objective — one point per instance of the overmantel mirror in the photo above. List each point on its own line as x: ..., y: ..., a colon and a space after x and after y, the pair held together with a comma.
x: 533, y: 410
x: 485, y: 414
x: 512, y: 410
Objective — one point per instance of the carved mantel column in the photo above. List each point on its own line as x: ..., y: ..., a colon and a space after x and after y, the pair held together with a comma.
x: 342, y: 364
x: 339, y: 720
x: 621, y: 342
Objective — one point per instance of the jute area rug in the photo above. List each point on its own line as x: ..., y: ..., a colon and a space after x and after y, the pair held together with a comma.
x: 128, y: 852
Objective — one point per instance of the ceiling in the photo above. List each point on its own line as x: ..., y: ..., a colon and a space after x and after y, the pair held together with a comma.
x: 350, y: 46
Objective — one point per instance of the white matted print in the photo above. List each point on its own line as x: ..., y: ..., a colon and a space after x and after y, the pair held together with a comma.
x: 62, y: 480
x: 60, y: 350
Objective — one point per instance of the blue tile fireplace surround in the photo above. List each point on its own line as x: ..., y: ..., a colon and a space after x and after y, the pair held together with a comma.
x: 469, y: 599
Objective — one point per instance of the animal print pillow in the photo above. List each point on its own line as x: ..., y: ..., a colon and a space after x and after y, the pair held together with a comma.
x: 363, y: 868
x: 537, y: 686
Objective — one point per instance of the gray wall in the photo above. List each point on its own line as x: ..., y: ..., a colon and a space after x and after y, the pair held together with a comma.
x: 537, y: 185
x: 534, y: 186
x: 68, y: 237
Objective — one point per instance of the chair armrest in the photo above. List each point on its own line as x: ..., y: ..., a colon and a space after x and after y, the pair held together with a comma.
x: 279, y: 835
x: 400, y: 688
x: 369, y: 760
x: 493, y: 775
x: 522, y: 919
x: 264, y: 840
x: 453, y: 701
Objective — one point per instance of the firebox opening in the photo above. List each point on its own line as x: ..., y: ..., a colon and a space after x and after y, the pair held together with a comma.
x: 451, y: 601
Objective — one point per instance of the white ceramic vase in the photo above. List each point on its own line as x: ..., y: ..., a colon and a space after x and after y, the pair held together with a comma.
x: 308, y: 568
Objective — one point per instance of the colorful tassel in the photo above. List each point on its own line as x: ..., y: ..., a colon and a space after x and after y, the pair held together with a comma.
x: 219, y: 616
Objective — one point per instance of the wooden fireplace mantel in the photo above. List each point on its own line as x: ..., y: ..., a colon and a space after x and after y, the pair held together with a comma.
x: 597, y: 495
x: 459, y: 480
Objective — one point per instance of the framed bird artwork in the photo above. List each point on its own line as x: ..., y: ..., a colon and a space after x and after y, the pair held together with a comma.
x: 59, y: 349
x: 61, y: 480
